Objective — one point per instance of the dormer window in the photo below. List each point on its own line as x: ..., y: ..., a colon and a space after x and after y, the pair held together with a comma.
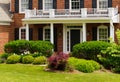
x: 47, y: 4
x: 24, y: 4
x: 102, y: 4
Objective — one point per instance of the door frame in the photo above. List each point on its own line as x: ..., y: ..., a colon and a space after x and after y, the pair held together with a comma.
x: 67, y: 30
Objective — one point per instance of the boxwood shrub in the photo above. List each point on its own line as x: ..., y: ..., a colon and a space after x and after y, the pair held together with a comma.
x: 13, y: 59
x: 83, y: 65
x: 89, y: 50
x: 23, y: 46
x: 27, y: 59
x: 40, y: 60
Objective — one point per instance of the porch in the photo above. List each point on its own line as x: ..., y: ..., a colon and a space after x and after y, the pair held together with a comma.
x: 65, y: 36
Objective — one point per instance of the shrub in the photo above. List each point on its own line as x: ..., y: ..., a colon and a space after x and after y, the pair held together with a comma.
x: 43, y: 47
x: 83, y: 65
x: 23, y: 47
x: 17, y: 47
x: 40, y: 60
x: 58, y: 61
x: 27, y: 59
x: 89, y: 50
x: 5, y: 55
x: 13, y: 59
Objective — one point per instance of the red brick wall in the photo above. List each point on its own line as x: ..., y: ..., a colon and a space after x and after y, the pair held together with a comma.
x: 6, y: 35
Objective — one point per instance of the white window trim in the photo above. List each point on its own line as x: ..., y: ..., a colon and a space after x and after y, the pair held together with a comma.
x: 44, y: 7
x: 99, y: 8
x: 20, y: 7
x: 20, y: 31
x: 46, y: 27
x: 101, y: 26
x: 65, y: 30
x: 70, y: 7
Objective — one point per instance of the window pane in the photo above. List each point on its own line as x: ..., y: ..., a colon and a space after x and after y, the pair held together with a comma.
x: 103, y: 34
x: 75, y: 4
x: 47, y: 34
x: 24, y: 5
x: 23, y: 34
x: 48, y: 4
x: 103, y: 4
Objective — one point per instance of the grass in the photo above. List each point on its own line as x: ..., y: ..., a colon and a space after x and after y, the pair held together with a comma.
x: 32, y: 73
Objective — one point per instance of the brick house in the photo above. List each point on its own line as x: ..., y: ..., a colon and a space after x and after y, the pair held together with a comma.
x: 62, y: 22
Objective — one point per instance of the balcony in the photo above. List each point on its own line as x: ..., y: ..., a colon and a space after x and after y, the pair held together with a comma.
x: 83, y: 13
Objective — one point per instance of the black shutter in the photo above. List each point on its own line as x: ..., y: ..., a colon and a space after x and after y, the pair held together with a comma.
x: 40, y: 33
x: 109, y: 3
x: 94, y: 3
x: 40, y: 4
x: 66, y: 4
x: 54, y: 4
x: 55, y: 39
x: 30, y: 33
x: 30, y: 4
x: 16, y: 6
x: 16, y: 34
x: 94, y: 33
x: 81, y: 3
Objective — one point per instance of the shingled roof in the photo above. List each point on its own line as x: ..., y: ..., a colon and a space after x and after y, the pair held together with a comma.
x: 5, y: 17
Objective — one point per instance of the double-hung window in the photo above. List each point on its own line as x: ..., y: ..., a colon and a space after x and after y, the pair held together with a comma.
x: 103, y: 33
x: 74, y: 4
x: 46, y: 33
x: 24, y: 4
x: 102, y: 4
x: 47, y: 4
x: 22, y: 33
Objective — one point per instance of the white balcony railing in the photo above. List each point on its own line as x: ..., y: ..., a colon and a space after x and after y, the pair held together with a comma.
x: 66, y: 13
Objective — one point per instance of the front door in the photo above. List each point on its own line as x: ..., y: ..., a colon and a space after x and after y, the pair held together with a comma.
x: 74, y: 38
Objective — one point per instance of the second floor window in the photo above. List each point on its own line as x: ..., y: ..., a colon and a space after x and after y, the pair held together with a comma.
x: 102, y: 4
x: 24, y: 4
x: 75, y: 4
x: 48, y: 4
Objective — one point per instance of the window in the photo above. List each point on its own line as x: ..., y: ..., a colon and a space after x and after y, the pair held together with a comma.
x: 102, y: 4
x: 103, y: 33
x: 24, y: 4
x: 75, y: 4
x: 22, y: 35
x: 48, y: 4
x: 46, y: 34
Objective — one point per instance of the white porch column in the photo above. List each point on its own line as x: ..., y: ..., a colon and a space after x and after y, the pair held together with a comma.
x: 51, y: 33
x: 112, y: 31
x: 84, y: 32
x: 27, y: 32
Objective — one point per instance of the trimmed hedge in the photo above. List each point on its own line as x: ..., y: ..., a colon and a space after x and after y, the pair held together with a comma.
x: 13, y: 59
x: 23, y: 46
x: 40, y: 60
x: 83, y: 65
x: 89, y: 50
x: 27, y: 59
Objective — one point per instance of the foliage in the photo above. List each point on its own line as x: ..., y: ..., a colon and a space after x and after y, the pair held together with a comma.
x: 83, y: 65
x: 5, y: 55
x: 40, y: 60
x: 58, y: 61
x: 110, y: 57
x: 13, y: 59
x: 27, y: 59
x: 89, y: 50
x: 24, y: 46
x: 118, y: 35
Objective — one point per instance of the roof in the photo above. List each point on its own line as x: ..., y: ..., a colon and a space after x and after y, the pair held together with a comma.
x: 5, y: 17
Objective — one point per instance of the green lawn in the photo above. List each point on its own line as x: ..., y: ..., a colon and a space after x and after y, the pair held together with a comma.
x: 30, y: 73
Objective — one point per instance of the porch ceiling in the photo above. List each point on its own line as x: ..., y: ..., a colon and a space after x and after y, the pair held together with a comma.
x: 66, y: 20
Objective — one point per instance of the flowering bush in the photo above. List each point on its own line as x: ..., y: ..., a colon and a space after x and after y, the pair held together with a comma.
x: 58, y: 61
